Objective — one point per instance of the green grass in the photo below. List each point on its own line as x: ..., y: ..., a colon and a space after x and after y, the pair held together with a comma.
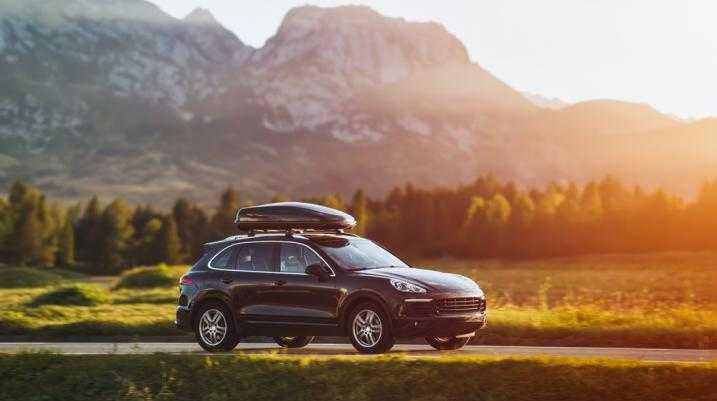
x: 124, y: 313
x: 393, y: 378
x: 677, y: 327
x: 73, y: 294
x: 151, y: 276
x: 23, y: 277
x: 652, y: 300
x: 656, y: 300
x: 618, y: 282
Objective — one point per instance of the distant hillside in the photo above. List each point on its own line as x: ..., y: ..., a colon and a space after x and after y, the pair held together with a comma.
x: 601, y: 117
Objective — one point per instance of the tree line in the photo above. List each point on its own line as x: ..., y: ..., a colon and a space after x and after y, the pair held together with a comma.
x: 484, y: 219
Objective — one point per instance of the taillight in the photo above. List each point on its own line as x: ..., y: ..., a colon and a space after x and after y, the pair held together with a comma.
x: 186, y: 280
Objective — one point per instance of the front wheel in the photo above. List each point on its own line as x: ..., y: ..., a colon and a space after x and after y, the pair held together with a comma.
x: 369, y: 329
x: 447, y: 343
x: 214, y: 328
x: 293, y: 342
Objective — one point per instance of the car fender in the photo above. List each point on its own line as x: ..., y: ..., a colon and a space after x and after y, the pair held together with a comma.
x: 208, y: 295
x: 360, y: 295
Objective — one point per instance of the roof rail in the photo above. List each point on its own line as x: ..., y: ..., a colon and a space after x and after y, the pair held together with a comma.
x: 291, y: 231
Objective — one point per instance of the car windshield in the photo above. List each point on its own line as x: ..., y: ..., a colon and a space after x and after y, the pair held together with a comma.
x: 359, y: 254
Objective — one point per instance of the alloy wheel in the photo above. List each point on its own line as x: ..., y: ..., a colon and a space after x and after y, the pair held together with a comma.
x: 367, y: 328
x: 213, y: 327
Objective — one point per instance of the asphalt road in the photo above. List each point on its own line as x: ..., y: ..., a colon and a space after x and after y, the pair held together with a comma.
x: 641, y: 354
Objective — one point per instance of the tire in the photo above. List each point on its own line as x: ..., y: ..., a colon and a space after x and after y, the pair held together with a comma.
x: 378, y: 337
x: 293, y: 342
x: 447, y: 343
x: 207, y: 327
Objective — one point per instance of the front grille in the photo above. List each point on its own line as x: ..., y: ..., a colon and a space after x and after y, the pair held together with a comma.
x: 418, y: 309
x: 452, y: 306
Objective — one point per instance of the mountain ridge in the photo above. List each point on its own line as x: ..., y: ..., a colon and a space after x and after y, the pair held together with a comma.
x: 155, y: 107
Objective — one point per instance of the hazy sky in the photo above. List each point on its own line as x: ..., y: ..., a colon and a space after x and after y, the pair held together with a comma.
x: 662, y: 52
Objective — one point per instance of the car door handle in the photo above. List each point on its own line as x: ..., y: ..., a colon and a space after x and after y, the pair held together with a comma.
x: 279, y: 282
x: 226, y: 280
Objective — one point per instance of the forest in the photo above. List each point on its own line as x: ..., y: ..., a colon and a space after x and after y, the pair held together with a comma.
x: 484, y: 219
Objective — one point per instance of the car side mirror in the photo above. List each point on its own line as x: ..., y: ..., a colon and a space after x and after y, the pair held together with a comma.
x: 316, y: 270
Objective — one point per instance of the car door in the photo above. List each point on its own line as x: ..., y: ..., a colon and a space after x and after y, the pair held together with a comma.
x: 299, y: 300
x: 245, y: 273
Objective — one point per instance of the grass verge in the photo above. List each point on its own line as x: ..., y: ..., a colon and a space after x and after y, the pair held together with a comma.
x: 151, y: 277
x: 395, y: 378
x: 23, y: 277
x: 75, y: 294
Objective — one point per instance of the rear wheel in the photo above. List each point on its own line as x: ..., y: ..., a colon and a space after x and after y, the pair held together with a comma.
x: 447, y: 343
x: 293, y: 342
x: 369, y: 329
x: 214, y: 328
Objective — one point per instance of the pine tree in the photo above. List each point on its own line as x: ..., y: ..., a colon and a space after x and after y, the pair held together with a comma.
x: 6, y: 227
x: 25, y: 243
x: 168, y: 244
x: 26, y: 240
x: 51, y: 220
x: 114, y: 237
x: 359, y: 209
x: 591, y: 203
x: 87, y: 232
x: 66, y: 245
x: 223, y: 219
x: 192, y: 227
x: 144, y: 251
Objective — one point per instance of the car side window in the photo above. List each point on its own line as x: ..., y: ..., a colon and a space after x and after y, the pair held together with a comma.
x: 255, y: 256
x: 224, y: 260
x: 293, y: 258
x: 312, y: 258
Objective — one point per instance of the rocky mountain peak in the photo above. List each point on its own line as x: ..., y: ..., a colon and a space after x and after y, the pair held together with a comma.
x: 359, y: 40
x: 320, y: 59
x: 55, y: 13
x: 201, y: 16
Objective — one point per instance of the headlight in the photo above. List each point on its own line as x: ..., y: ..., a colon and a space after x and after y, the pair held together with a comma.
x: 405, y: 286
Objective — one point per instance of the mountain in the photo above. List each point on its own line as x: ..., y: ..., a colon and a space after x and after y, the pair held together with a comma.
x: 600, y: 117
x: 324, y: 71
x: 117, y: 98
x: 679, y: 157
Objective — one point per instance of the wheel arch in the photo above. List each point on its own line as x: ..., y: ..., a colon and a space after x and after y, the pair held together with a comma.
x: 358, y: 298
x: 208, y: 297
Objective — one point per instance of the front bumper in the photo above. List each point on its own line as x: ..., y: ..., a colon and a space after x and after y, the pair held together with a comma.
x: 439, y: 326
x: 183, y: 319
x: 430, y: 317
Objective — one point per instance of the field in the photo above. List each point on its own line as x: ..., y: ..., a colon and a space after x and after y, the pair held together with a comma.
x: 192, y: 377
x: 653, y: 300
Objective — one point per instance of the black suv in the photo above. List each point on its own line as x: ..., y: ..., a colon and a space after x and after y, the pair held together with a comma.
x: 311, y: 279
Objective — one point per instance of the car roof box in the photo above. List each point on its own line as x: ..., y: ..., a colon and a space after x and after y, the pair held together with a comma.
x: 292, y: 215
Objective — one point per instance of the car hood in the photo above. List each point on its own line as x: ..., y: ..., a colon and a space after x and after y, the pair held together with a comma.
x: 430, y: 279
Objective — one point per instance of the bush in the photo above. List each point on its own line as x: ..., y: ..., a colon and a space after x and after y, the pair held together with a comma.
x: 152, y: 276
x: 77, y: 294
x: 24, y: 277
